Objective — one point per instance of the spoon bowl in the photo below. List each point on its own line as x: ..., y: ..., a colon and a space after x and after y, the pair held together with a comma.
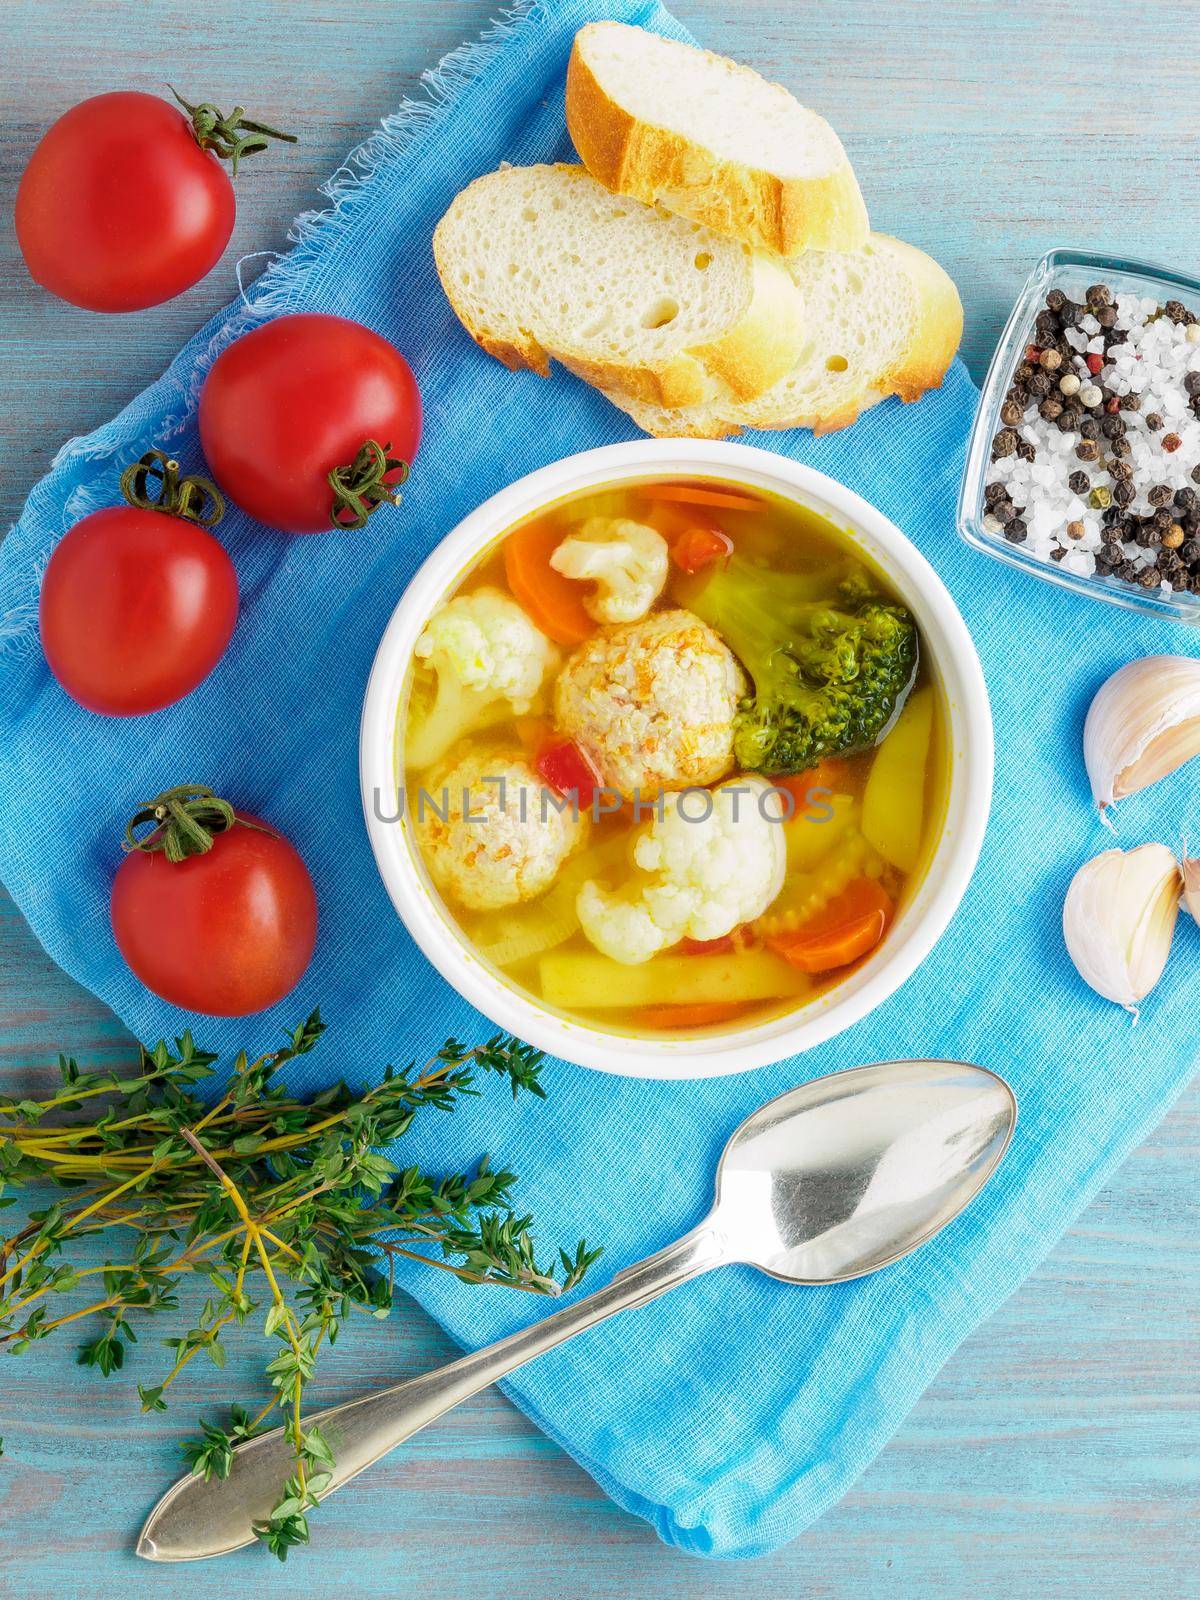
x: 832, y: 1180
x: 851, y: 1172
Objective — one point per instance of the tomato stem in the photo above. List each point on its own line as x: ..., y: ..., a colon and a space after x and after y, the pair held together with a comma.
x: 359, y: 488
x: 192, y: 498
x: 186, y: 820
x: 232, y: 137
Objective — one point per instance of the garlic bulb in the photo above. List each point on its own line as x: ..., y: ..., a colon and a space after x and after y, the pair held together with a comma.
x: 1143, y: 723
x: 1118, y: 919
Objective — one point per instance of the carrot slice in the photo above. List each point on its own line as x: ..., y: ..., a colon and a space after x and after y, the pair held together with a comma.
x: 691, y: 494
x: 555, y: 603
x: 845, y: 930
x: 702, y: 1015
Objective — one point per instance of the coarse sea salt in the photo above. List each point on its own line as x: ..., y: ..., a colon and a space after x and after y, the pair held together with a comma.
x: 1147, y: 354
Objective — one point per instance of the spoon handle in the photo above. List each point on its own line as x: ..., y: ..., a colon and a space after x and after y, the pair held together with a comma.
x: 196, y: 1518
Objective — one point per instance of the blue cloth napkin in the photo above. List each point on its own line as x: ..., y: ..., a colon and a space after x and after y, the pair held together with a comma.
x: 734, y: 1412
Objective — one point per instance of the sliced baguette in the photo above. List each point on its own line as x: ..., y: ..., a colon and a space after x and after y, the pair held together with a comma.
x: 884, y: 320
x: 543, y: 262
x: 711, y: 140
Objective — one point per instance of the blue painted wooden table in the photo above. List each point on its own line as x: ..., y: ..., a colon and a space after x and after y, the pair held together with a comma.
x: 1057, y: 1455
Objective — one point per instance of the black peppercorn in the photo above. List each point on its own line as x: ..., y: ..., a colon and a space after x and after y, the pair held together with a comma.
x: 1154, y: 421
x: 1149, y: 578
x: 1103, y: 568
x: 1110, y: 427
x: 1099, y: 294
x: 1190, y: 550
x: 1004, y: 511
x: 1187, y: 499
x: 1046, y: 326
x: 1069, y: 421
x: 1123, y: 494
x: 1026, y: 451
x: 1055, y: 300
x: 1087, y: 450
x: 1089, y: 428
x: 1131, y: 401
x: 992, y: 492
x: 1069, y: 314
x: 1016, y: 531
x: 1120, y: 448
x: 1079, y: 483
x: 1040, y: 384
x: 1176, y: 310
x: 1106, y: 316
x: 1050, y: 409
x: 1162, y: 521
x: 1004, y: 443
x: 1023, y: 373
x: 1012, y: 413
x: 1191, y: 382
x: 1159, y: 494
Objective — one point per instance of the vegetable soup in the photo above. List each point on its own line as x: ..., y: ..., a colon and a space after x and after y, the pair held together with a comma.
x: 672, y: 757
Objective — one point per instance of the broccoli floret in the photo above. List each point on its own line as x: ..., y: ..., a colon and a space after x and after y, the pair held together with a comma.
x: 831, y: 662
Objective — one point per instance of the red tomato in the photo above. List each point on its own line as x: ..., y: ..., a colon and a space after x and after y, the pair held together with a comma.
x: 226, y: 933
x: 296, y: 400
x: 137, y: 607
x: 119, y: 207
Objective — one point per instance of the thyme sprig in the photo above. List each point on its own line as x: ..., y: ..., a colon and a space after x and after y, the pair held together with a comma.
x: 289, y: 1208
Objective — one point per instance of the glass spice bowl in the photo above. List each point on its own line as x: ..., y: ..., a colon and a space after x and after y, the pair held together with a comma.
x: 1071, y: 271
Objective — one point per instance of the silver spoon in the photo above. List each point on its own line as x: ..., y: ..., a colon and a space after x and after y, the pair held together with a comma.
x: 830, y: 1181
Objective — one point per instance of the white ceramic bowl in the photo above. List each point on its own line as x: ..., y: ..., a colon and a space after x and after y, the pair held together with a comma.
x: 948, y: 651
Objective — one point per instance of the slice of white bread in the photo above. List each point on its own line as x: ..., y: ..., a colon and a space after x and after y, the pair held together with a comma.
x: 884, y: 320
x: 710, y: 140
x: 541, y: 262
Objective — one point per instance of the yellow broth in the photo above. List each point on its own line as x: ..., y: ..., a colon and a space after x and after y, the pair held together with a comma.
x: 539, y: 947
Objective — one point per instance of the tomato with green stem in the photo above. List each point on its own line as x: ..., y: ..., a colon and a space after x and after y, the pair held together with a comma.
x: 125, y: 203
x: 139, y: 601
x: 212, y: 909
x: 310, y: 422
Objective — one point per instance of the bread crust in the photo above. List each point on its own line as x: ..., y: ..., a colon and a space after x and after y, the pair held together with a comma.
x: 939, y: 328
x: 659, y: 166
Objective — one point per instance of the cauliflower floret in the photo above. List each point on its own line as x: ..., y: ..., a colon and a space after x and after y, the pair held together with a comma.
x: 626, y: 560
x: 704, y: 871
x: 489, y: 660
x: 654, y: 703
x: 497, y: 844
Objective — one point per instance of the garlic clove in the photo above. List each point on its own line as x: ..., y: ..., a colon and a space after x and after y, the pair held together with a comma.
x: 1191, y: 887
x: 1143, y: 724
x: 1118, y: 920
